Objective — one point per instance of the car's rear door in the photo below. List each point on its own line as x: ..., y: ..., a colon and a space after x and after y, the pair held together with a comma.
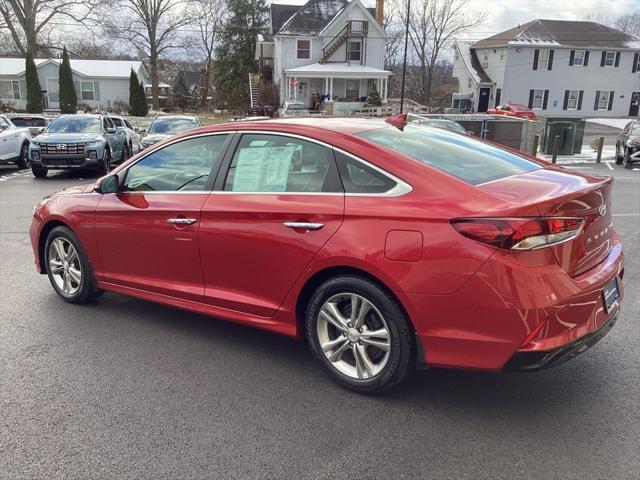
x: 278, y: 199
x: 147, y: 234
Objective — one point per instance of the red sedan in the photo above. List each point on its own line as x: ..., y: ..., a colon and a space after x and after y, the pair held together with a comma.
x: 386, y: 247
x: 513, y: 110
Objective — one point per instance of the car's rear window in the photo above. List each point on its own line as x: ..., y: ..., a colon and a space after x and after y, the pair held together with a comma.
x: 460, y: 156
x: 29, y: 122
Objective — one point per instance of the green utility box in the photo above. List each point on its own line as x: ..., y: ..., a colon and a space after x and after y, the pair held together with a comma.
x: 571, y: 133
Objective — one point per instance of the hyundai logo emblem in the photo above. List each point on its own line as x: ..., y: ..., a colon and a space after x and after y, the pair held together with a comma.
x: 603, y: 209
x: 61, y: 146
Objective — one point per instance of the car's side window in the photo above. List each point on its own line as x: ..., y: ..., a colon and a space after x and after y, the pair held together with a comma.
x: 279, y: 163
x: 180, y: 167
x: 358, y: 177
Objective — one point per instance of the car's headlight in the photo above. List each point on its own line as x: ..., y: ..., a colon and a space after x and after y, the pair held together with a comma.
x: 633, y: 143
x: 95, y: 144
x: 40, y: 204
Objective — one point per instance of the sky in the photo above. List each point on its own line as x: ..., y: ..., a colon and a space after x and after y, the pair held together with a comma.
x: 504, y: 14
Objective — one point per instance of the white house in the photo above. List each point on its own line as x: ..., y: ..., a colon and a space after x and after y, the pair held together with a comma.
x: 333, y: 48
x: 557, y: 68
x: 98, y: 82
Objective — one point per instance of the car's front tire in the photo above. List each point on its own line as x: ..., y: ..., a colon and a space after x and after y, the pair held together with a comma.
x: 23, y: 161
x: 105, y: 163
x: 68, y: 267
x: 619, y: 156
x: 360, y: 334
x: 628, y: 162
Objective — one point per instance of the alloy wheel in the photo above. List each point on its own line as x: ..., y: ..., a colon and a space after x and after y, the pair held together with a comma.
x: 353, y: 335
x: 65, y: 266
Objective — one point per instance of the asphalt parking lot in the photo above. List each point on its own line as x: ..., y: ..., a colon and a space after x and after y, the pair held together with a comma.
x: 128, y: 389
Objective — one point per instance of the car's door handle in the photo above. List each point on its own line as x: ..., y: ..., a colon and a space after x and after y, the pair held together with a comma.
x: 304, y: 225
x: 182, y: 221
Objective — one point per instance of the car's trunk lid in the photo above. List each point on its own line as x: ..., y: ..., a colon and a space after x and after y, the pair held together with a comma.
x: 554, y: 192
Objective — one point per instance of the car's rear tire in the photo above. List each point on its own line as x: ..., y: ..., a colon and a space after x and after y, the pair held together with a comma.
x: 39, y: 171
x: 366, y: 353
x: 23, y: 161
x: 68, y: 267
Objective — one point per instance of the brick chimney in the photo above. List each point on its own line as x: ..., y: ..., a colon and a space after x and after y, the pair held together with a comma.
x: 380, y: 11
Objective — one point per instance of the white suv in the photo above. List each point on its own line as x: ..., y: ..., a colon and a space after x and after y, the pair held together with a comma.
x: 14, y: 143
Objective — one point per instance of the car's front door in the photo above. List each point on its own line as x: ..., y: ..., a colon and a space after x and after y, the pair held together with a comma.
x: 115, y: 137
x: 278, y: 199
x: 147, y: 234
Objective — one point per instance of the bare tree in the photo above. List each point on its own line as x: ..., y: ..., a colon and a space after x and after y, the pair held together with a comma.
x: 28, y: 21
x: 208, y: 16
x: 152, y: 26
x: 629, y: 23
x: 433, y: 26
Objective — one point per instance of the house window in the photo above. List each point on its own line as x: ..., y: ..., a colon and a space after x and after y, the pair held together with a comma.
x: 543, y: 60
x: 603, y: 100
x: 609, y: 59
x: 538, y: 98
x: 87, y: 91
x: 303, y: 49
x: 353, y: 89
x: 470, y: 83
x: 10, y: 89
x: 578, y: 58
x: 355, y: 48
x: 572, y: 100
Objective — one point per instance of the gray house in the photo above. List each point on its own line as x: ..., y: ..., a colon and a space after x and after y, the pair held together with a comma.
x: 98, y: 82
x: 557, y: 68
x: 334, y: 48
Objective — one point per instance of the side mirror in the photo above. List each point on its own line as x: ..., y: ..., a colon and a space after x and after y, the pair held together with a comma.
x: 141, y: 131
x: 111, y: 130
x: 110, y: 184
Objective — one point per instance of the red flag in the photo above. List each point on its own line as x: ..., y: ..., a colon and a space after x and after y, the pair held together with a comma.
x: 293, y: 83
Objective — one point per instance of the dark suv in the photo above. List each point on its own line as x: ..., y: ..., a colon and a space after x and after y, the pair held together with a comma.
x: 78, y: 141
x: 628, y: 144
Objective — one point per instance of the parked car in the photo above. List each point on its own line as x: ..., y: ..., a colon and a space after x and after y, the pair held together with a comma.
x: 35, y: 123
x: 78, y: 141
x: 163, y: 127
x: 627, y: 144
x: 14, y: 143
x: 293, y: 109
x: 132, y: 137
x: 513, y: 110
x: 442, y: 123
x: 390, y: 247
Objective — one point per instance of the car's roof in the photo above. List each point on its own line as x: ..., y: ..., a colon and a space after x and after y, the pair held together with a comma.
x: 26, y: 115
x: 174, y: 117
x: 335, y: 124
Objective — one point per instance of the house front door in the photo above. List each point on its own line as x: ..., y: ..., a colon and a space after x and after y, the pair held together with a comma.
x: 635, y: 103
x: 303, y: 92
x: 483, y: 100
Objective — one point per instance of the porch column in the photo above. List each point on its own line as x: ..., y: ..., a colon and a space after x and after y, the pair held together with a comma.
x: 386, y: 84
x: 331, y: 89
x: 295, y: 89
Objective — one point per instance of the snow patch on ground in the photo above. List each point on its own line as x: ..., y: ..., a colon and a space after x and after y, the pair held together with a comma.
x: 611, y: 122
x: 587, y: 156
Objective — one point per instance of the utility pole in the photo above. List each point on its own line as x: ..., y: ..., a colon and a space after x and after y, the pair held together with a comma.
x: 404, y: 63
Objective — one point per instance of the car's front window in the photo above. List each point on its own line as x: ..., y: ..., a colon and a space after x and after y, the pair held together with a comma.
x: 182, y: 166
x: 75, y: 125
x: 460, y: 156
x: 171, y: 126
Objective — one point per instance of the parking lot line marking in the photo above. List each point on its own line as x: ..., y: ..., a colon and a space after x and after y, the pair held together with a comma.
x: 9, y: 176
x: 609, y: 165
x: 626, y: 214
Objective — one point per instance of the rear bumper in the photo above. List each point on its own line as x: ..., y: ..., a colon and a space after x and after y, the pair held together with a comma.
x: 537, y: 360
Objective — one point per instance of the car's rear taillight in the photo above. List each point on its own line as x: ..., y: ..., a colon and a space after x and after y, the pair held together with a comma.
x: 520, y: 233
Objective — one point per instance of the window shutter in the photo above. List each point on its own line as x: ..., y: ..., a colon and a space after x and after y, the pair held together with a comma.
x: 76, y: 85
x: 530, y: 98
x: 550, y: 60
x: 566, y: 100
x: 96, y: 89
x: 536, y: 54
x: 595, y: 105
x: 580, y: 99
x: 545, y: 100
x: 602, y: 60
x: 572, y: 55
x: 610, y: 100
x: 634, y: 69
x: 617, y: 59
x: 586, y: 59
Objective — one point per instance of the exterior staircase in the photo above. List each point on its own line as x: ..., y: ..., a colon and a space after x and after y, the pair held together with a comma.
x: 254, y: 90
x: 351, y: 29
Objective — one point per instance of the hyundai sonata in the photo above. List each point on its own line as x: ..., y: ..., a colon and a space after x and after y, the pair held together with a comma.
x: 386, y: 246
